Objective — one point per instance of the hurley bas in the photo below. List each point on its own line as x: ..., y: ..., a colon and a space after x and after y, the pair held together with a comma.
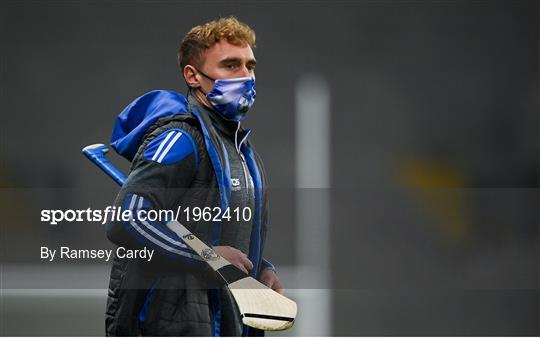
x: 65, y: 252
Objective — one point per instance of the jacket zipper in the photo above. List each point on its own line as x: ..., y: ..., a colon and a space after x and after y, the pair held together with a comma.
x: 243, y: 160
x: 245, y: 171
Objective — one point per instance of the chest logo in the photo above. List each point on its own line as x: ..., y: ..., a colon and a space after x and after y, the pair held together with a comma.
x: 235, y: 182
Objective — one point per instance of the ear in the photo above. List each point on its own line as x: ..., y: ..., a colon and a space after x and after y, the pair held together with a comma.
x: 191, y: 76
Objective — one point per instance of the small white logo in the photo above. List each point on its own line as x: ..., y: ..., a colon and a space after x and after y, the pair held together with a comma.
x: 235, y: 182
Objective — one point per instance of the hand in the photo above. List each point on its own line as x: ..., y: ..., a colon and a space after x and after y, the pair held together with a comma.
x: 235, y: 256
x: 270, y: 279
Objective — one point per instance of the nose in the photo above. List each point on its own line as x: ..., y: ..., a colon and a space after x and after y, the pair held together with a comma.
x: 245, y: 72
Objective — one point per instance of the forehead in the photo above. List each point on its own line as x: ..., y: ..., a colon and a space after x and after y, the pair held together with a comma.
x: 225, y: 50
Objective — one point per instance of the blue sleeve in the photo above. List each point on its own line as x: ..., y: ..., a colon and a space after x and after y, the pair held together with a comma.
x: 162, y: 173
x: 267, y: 265
x: 154, y: 234
x: 170, y: 147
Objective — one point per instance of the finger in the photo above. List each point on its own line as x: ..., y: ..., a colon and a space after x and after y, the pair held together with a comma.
x: 242, y: 267
x: 269, y: 282
x: 247, y: 263
x: 278, y: 287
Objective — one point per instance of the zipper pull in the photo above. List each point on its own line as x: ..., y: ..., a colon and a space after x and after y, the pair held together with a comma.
x: 236, y: 145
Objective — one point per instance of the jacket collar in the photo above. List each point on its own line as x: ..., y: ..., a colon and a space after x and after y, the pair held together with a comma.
x: 229, y: 128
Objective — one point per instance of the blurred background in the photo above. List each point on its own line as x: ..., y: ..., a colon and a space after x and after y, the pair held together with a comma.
x: 401, y: 140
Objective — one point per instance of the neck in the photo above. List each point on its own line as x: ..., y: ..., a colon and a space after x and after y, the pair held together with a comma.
x: 199, y: 95
x: 229, y: 127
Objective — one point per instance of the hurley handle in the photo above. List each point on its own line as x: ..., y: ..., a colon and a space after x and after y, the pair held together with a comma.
x: 96, y: 153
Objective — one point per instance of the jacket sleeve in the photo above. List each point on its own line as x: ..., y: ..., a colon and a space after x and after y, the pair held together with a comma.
x: 162, y: 171
x: 266, y: 264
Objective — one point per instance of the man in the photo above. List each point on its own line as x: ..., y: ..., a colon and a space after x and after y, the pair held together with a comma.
x: 191, y: 153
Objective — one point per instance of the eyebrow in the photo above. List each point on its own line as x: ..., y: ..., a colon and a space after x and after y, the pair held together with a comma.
x: 237, y: 60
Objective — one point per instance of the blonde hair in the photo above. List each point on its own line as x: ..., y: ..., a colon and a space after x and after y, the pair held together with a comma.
x: 204, y: 36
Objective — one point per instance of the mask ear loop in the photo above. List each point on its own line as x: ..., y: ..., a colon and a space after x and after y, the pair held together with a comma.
x: 206, y: 76
x: 190, y: 89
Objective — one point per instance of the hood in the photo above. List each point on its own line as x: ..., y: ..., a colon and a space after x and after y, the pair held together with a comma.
x: 133, y: 122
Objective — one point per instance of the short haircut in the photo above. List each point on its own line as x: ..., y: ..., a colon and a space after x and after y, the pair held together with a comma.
x: 204, y: 36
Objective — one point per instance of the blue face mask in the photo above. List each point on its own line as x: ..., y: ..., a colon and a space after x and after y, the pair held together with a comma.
x: 232, y: 98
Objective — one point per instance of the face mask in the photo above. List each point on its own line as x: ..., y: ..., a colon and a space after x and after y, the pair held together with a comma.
x: 232, y: 98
